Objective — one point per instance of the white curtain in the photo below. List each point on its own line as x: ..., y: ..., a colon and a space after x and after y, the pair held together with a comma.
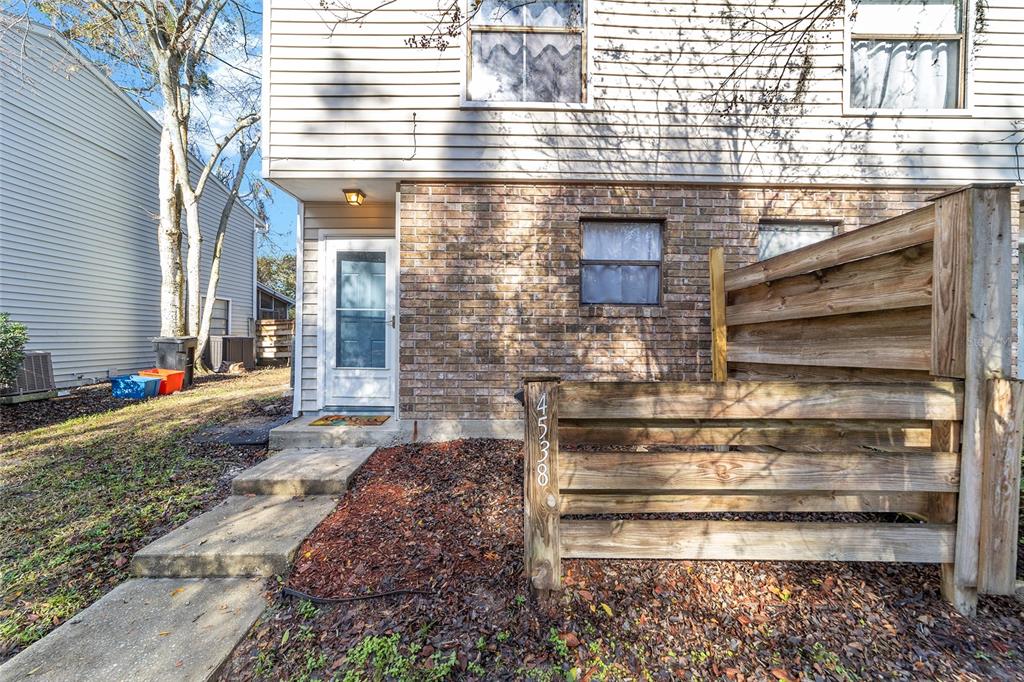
x: 905, y: 74
x: 613, y: 283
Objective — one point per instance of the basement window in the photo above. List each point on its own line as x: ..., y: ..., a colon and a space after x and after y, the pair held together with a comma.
x: 907, y: 54
x: 775, y: 238
x: 621, y: 263
x: 526, y: 52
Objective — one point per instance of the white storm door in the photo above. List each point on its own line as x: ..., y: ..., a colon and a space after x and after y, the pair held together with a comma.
x: 359, y: 313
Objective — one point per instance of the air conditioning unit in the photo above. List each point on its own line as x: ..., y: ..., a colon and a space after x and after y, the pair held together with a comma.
x: 34, y: 380
x: 227, y: 350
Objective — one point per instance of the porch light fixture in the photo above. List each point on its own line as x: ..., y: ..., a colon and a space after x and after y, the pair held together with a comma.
x: 354, y: 197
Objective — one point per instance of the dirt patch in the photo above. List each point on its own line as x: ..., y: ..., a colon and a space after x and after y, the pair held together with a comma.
x: 82, y: 401
x: 448, y: 518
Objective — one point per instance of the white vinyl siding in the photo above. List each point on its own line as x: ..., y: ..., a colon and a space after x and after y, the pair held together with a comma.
x: 351, y: 100
x: 78, y: 253
x: 321, y: 220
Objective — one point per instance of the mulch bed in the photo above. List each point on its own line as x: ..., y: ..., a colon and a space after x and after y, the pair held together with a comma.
x: 447, y: 518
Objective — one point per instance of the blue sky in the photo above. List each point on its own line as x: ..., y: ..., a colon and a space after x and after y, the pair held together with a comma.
x: 281, y: 214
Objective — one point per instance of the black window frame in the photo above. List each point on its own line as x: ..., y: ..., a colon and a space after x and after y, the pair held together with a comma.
x: 660, y: 263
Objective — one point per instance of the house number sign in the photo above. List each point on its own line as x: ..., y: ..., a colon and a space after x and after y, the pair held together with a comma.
x: 541, y: 412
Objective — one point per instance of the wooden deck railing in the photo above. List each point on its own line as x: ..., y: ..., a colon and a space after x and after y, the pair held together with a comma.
x: 868, y: 372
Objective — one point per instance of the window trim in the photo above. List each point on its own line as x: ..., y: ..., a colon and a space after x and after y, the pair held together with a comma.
x: 603, y: 261
x: 965, y: 94
x: 586, y: 64
x: 231, y: 304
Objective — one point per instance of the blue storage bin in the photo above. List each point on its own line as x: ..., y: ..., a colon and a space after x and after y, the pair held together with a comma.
x: 133, y: 386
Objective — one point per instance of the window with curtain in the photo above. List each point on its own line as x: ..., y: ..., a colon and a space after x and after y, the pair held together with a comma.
x: 907, y: 54
x: 526, y: 52
x: 621, y: 263
x: 778, y: 238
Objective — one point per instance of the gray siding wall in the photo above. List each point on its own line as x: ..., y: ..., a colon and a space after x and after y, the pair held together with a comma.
x: 320, y: 221
x: 78, y: 206
x: 349, y: 99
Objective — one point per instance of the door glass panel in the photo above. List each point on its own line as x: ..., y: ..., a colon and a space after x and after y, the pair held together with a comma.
x: 360, y: 334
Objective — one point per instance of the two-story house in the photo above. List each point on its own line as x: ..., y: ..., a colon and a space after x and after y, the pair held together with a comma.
x: 536, y: 189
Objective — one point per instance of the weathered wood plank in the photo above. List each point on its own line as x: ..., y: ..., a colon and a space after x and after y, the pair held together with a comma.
x: 897, y: 339
x: 716, y: 265
x: 791, y: 435
x: 761, y: 471
x: 630, y: 503
x: 749, y: 371
x: 1000, y: 496
x: 951, y: 284
x: 909, y: 229
x: 890, y: 281
x: 756, y: 540
x: 989, y: 339
x: 884, y: 352
x: 759, y: 400
x: 540, y: 492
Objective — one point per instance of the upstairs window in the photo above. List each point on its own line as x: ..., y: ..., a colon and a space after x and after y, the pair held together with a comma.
x: 775, y: 238
x: 907, y: 54
x: 526, y: 51
x: 621, y: 263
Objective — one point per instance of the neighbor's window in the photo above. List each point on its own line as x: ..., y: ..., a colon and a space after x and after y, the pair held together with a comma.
x: 621, y: 263
x: 220, y: 319
x: 907, y: 54
x: 777, y: 238
x: 527, y: 51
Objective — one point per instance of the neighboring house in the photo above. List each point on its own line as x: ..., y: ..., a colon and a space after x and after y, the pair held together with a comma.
x: 273, y: 305
x: 78, y: 215
x: 540, y: 196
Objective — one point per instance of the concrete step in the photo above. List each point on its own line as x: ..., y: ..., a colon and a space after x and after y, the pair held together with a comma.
x: 150, y: 629
x: 242, y: 536
x: 302, y: 472
x: 299, y: 434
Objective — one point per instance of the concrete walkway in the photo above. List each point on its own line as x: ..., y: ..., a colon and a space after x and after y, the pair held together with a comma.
x: 184, y: 624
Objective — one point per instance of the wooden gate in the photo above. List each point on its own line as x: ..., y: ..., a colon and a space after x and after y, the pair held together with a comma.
x: 865, y: 373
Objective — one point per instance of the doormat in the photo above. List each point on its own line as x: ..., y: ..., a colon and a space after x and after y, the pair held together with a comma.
x: 351, y: 420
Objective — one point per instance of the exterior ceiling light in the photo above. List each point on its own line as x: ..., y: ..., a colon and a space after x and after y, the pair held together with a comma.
x: 354, y: 197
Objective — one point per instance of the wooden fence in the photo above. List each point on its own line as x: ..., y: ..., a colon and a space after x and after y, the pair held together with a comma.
x: 869, y: 372
x: 274, y: 340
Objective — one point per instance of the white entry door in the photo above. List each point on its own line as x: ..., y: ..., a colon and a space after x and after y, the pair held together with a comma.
x: 360, y: 309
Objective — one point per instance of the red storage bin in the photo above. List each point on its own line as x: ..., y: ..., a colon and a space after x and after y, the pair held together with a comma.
x: 171, y: 380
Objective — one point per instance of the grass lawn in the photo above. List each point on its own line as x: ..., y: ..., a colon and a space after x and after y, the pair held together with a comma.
x: 80, y: 494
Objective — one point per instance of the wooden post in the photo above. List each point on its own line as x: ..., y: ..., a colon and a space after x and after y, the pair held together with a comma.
x: 719, y: 357
x: 945, y: 438
x: 997, y: 570
x: 540, y: 486
x: 971, y: 311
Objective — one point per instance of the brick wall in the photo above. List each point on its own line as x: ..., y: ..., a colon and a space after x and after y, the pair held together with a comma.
x: 490, y: 283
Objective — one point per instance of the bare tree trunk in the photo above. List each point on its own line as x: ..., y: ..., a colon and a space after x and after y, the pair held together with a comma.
x: 169, y: 244
x: 246, y: 153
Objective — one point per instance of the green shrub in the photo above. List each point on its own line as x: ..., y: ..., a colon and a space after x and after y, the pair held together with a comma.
x: 13, y: 337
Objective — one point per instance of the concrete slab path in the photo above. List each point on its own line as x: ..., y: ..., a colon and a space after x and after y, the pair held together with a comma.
x: 183, y: 619
x: 245, y: 535
x: 302, y: 472
x: 155, y: 629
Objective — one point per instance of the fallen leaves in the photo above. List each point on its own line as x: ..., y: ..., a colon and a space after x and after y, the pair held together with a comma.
x: 400, y: 526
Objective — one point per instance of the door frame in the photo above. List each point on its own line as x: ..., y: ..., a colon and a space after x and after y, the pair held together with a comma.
x: 325, y: 312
